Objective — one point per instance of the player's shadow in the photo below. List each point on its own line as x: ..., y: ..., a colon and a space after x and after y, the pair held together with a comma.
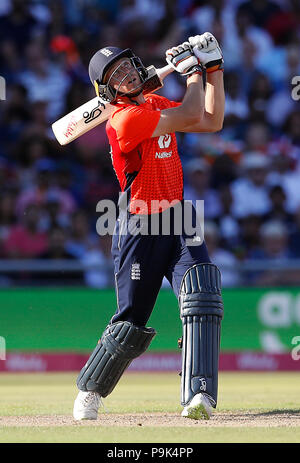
x: 283, y: 411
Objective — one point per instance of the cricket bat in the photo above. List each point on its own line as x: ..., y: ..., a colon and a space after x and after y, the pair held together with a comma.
x: 96, y: 110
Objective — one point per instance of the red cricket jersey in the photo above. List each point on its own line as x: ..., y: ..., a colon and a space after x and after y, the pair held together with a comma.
x: 148, y: 168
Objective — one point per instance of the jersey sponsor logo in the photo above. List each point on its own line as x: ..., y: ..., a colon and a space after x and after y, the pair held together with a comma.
x: 164, y: 154
x: 164, y: 141
x: 106, y: 52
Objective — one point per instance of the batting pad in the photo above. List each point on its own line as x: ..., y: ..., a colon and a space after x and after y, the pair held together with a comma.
x: 201, y: 312
x: 120, y: 343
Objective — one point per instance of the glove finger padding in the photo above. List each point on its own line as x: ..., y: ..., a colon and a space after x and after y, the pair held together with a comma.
x: 212, y: 60
x: 205, y: 42
x: 182, y: 59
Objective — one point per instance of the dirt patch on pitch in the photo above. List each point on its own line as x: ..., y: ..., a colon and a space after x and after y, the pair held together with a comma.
x: 277, y: 418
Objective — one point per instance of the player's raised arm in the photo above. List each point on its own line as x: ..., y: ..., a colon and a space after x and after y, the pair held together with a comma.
x: 191, y: 111
x: 208, y: 52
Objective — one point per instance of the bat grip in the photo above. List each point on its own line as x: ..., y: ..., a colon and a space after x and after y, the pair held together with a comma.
x: 165, y: 71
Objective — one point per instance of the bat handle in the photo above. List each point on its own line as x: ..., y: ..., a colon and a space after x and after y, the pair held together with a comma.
x: 165, y: 71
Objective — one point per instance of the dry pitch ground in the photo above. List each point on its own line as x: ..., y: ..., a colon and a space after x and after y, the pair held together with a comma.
x: 252, y: 407
x: 219, y: 419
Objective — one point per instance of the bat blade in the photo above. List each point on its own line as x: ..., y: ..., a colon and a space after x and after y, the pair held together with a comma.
x: 96, y: 111
x: 81, y: 120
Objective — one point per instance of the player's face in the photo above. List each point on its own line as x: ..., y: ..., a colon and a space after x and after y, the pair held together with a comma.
x: 123, y: 77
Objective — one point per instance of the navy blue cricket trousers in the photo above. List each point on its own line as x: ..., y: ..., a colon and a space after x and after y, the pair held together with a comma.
x: 142, y: 261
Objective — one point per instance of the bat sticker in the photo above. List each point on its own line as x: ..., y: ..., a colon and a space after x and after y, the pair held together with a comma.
x: 89, y: 117
x: 71, y: 127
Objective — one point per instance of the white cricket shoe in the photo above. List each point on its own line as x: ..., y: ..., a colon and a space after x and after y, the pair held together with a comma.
x: 86, y: 405
x: 200, y: 408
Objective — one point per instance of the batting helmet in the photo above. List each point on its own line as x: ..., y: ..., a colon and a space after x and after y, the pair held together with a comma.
x: 101, y: 62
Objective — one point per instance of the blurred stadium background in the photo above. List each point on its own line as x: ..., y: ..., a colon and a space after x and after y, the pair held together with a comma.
x: 56, y: 280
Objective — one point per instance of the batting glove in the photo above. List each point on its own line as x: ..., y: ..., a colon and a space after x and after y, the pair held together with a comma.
x: 208, y: 51
x: 183, y: 60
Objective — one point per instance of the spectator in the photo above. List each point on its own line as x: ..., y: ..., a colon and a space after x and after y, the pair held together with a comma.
x: 281, y: 99
x: 8, y: 176
x: 290, y: 184
x: 257, y: 137
x: 224, y: 167
x: 283, y: 25
x: 7, y: 214
x: 15, y: 115
x: 274, y: 242
x: 80, y: 239
x: 236, y: 105
x: 250, y: 192
x: 10, y: 64
x: 281, y: 167
x: 198, y: 188
x: 278, y: 211
x: 292, y: 66
x: 26, y: 239
x: 259, y: 11
x: 292, y: 128
x: 44, y: 81
x: 52, y: 215
x: 18, y: 25
x: 44, y: 188
x: 249, y: 233
x: 283, y: 174
x: 56, y: 245
x: 294, y: 239
x: 45, y: 48
x: 139, y: 17
x: 286, y: 63
x: 97, y: 263
x: 259, y: 95
x: 228, y: 225
x: 29, y: 151
x: 224, y: 259
x: 274, y: 249
x: 57, y: 251
x: 249, y: 41
x: 38, y: 125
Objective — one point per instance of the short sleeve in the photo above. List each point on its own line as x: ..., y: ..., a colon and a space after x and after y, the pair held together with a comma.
x: 174, y: 104
x: 162, y: 102
x: 134, y: 125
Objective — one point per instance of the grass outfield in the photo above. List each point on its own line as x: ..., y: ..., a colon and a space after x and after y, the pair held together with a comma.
x: 253, y: 407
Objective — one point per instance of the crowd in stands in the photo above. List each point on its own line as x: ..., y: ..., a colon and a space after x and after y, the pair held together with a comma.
x: 248, y: 174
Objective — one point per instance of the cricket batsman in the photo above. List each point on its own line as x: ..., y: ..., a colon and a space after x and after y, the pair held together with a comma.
x: 141, y: 133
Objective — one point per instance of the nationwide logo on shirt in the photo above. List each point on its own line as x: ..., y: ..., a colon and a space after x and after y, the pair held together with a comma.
x: 164, y: 141
x: 163, y: 155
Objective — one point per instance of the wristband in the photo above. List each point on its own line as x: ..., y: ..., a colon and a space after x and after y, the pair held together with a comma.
x: 217, y: 67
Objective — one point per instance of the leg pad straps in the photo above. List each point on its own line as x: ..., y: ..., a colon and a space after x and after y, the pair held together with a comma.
x: 201, y: 312
x: 120, y: 343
